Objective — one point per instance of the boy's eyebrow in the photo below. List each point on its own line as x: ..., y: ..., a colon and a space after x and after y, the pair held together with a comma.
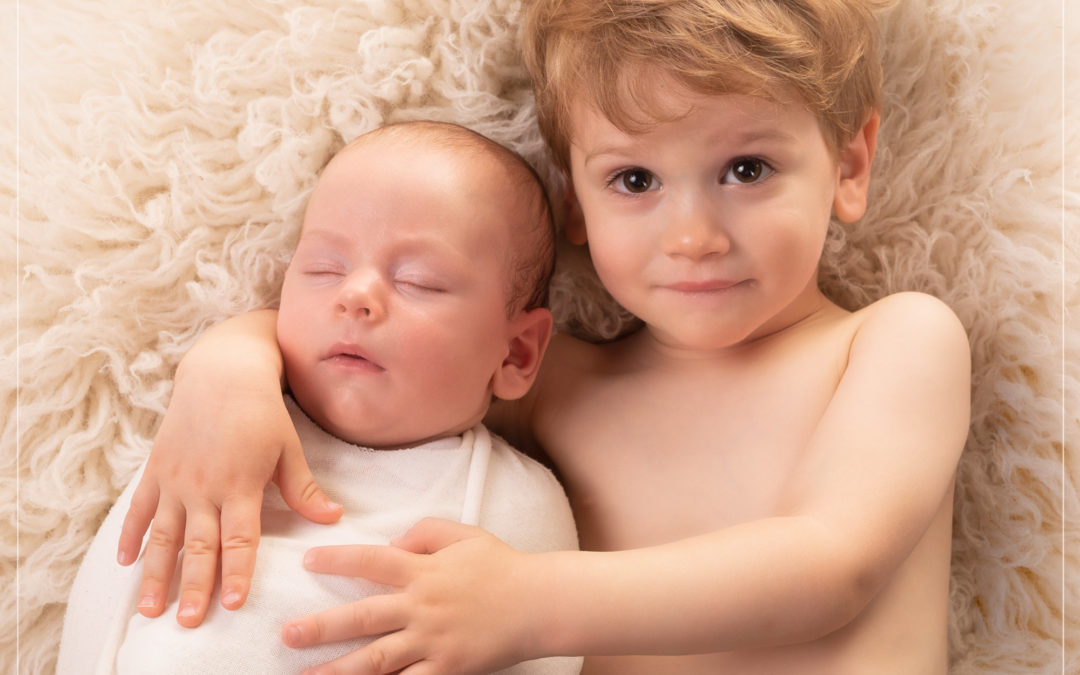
x: 753, y: 135
x: 766, y: 134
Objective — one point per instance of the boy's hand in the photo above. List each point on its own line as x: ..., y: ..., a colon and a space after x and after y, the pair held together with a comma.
x: 457, y: 610
x: 217, y: 448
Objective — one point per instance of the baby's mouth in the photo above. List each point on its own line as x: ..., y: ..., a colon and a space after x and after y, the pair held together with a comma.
x: 351, y: 357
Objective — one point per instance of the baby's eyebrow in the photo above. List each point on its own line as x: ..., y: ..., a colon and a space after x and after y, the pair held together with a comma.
x: 323, y: 236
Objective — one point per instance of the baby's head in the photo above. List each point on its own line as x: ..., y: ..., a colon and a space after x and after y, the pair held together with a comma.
x: 609, y: 56
x: 418, y: 285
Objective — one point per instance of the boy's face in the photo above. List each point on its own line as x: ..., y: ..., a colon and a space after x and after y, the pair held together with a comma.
x: 393, y: 310
x: 710, y: 227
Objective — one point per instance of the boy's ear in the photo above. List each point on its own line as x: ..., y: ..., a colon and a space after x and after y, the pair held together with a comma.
x: 849, y: 202
x: 529, y: 335
x: 574, y: 218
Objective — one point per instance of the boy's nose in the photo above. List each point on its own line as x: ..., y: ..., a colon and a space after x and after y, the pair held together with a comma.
x: 695, y: 230
x: 362, y: 297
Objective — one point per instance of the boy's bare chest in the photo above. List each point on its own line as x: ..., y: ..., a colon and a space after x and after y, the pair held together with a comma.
x: 648, y: 457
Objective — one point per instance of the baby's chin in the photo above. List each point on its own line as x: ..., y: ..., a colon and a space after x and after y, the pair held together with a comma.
x: 385, y: 439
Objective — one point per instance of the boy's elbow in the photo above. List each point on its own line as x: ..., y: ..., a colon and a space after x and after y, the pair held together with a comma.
x: 850, y: 580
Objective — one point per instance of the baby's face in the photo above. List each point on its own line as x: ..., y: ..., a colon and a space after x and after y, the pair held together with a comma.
x: 393, y: 311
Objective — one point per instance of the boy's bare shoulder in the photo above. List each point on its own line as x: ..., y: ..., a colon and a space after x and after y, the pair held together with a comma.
x: 567, y: 364
x: 909, y: 318
x: 567, y: 351
x: 913, y: 335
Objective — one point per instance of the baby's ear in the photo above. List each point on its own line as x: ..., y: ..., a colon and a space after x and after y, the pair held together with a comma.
x: 528, y: 334
x: 574, y: 218
x: 849, y: 202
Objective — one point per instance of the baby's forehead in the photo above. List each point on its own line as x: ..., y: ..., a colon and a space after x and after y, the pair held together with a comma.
x: 450, y: 182
x: 478, y: 163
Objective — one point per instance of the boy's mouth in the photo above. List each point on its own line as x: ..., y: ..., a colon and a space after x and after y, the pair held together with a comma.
x: 707, y: 286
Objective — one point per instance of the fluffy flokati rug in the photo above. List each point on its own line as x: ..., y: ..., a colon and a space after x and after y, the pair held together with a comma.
x: 154, y: 171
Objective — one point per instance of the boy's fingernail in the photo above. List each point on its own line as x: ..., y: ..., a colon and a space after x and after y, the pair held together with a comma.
x: 292, y: 636
x: 147, y: 601
x: 187, y: 610
x: 231, y: 599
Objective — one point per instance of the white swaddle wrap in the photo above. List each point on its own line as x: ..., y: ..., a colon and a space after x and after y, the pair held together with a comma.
x: 476, y: 479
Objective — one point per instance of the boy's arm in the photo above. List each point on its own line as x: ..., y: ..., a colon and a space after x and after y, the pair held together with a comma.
x: 876, y: 472
x: 225, y: 435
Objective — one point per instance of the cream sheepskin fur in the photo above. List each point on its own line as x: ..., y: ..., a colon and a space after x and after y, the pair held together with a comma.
x: 157, y: 160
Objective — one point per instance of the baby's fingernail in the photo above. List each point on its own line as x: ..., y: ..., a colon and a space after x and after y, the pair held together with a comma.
x: 187, y: 610
x: 147, y: 601
x: 309, y: 559
x: 231, y: 599
x: 122, y: 558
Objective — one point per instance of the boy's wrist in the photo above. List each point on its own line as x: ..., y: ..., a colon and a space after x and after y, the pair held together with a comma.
x: 548, y: 625
x: 234, y: 367
x: 240, y: 351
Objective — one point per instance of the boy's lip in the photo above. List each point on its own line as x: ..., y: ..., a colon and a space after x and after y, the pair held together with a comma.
x: 704, y: 286
x: 350, y: 355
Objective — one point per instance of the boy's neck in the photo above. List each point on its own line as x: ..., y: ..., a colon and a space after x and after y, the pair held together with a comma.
x: 651, y: 347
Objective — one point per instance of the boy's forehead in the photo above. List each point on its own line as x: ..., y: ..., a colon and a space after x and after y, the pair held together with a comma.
x: 652, y: 96
x: 734, y: 116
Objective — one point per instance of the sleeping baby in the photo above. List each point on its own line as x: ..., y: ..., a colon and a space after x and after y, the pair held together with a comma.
x: 415, y: 295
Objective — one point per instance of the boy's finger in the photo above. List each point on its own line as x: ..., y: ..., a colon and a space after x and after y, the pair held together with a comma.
x: 370, y: 616
x: 240, y: 528
x: 199, y: 567
x: 159, y: 560
x: 299, y: 489
x: 380, y: 564
x: 144, y: 502
x: 388, y: 654
x: 434, y: 534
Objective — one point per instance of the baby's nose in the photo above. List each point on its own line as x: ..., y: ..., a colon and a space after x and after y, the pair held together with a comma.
x: 362, y: 297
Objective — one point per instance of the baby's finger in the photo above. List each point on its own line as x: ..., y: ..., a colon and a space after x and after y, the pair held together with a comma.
x: 388, y: 654
x: 144, y: 502
x: 240, y: 527
x: 201, y: 542
x: 370, y: 616
x: 381, y: 564
x: 159, y: 561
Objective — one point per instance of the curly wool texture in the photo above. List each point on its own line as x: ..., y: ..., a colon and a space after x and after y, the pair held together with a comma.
x: 165, y: 150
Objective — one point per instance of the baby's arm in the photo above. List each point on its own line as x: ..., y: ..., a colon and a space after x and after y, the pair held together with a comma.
x: 226, y: 434
x: 875, y: 473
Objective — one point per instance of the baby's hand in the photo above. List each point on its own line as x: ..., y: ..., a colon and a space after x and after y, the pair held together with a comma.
x: 457, y: 610
x: 216, y: 450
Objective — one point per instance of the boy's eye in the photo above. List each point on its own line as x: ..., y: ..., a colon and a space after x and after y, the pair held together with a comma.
x: 747, y: 170
x: 634, y: 181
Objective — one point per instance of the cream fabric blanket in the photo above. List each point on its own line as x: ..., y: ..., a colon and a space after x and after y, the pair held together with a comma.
x: 155, y: 159
x: 476, y: 479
